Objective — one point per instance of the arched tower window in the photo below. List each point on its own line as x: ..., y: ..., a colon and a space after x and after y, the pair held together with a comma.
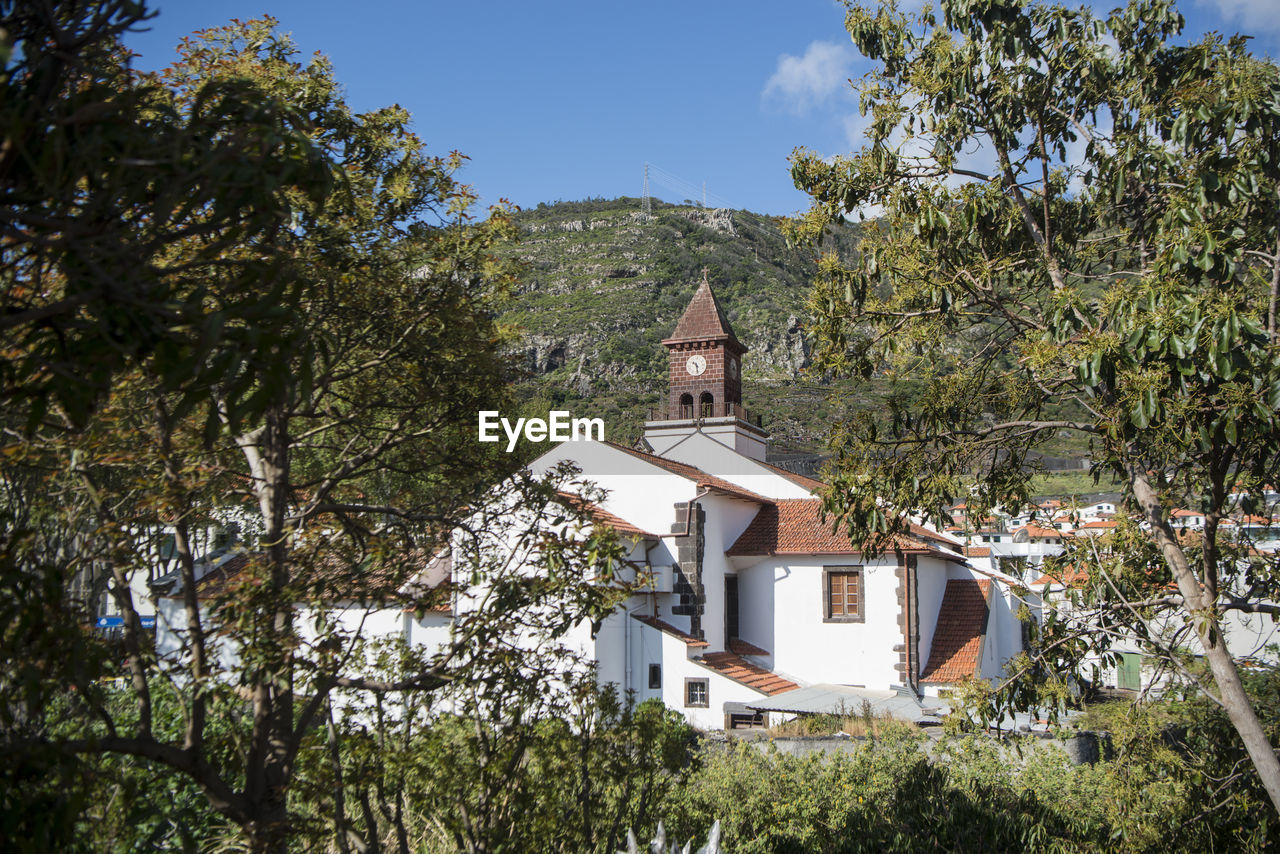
x: 707, y: 405
x: 686, y: 406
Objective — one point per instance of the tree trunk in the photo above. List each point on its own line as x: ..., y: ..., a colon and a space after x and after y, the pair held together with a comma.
x: 1203, y: 611
x: 268, y: 782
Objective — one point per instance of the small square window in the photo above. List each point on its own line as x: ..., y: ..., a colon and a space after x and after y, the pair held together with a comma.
x: 697, y: 693
x: 655, y: 675
x: 842, y: 594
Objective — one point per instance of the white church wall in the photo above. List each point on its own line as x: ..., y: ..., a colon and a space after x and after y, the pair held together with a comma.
x: 1252, y: 636
x: 432, y: 631
x: 172, y: 634
x: 677, y: 668
x: 756, y: 605
x: 726, y: 519
x: 638, y: 491
x: 808, y: 649
x: 609, y: 649
x: 646, y: 646
x: 714, y: 567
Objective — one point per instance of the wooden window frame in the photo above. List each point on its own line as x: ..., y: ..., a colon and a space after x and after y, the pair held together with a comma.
x: 655, y: 675
x: 706, y: 693
x: 860, y: 616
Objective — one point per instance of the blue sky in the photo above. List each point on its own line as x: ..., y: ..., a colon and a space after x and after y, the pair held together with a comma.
x: 563, y: 99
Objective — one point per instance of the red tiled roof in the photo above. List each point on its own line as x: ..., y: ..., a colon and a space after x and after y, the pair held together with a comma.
x: 667, y: 628
x: 1182, y: 514
x: 744, y: 672
x: 1104, y: 523
x: 700, y: 478
x: 962, y: 625
x: 795, y: 526
x: 374, y: 577
x: 610, y: 520
x: 809, y: 483
x: 1070, y: 577
x: 738, y: 646
x: 221, y: 579
x: 977, y: 551
x: 1037, y: 531
x: 704, y: 319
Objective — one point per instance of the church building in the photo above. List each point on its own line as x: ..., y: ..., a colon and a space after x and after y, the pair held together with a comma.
x: 749, y: 603
x: 752, y: 603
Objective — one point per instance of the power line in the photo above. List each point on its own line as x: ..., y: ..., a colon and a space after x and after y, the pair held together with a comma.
x: 691, y: 191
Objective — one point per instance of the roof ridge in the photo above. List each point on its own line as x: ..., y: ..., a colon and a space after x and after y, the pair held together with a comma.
x: 693, y: 473
x: 668, y: 629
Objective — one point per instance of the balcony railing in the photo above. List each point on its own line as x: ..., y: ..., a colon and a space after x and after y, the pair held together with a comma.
x: 704, y: 410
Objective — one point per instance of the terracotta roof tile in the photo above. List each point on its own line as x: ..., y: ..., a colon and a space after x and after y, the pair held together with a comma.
x: 700, y: 478
x: 610, y: 520
x: 962, y: 625
x: 375, y: 577
x: 796, y: 526
x: 1069, y: 577
x: 703, y: 319
x: 810, y: 483
x: 667, y: 628
x: 977, y: 551
x: 1037, y: 531
x: 744, y: 672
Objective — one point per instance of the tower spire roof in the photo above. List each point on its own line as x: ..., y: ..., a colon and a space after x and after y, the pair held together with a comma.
x: 704, y: 319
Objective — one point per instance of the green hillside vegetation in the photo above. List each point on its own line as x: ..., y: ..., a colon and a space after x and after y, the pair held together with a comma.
x: 603, y: 286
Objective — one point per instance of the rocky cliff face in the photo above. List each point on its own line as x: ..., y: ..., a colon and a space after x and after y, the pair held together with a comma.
x: 605, y: 284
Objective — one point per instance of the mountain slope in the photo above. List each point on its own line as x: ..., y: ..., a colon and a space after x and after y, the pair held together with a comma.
x: 604, y: 285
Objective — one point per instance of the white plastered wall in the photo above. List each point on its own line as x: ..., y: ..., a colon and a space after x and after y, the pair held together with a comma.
x: 808, y: 649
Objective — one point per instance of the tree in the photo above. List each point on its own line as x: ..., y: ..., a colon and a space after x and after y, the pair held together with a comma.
x: 320, y: 372
x: 101, y: 176
x: 1077, y: 234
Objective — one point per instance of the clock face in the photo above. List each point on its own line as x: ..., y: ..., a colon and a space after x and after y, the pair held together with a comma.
x: 696, y: 365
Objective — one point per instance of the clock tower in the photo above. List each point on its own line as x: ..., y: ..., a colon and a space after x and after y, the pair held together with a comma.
x: 704, y: 381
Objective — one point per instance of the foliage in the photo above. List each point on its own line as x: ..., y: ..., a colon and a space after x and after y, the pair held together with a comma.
x: 885, y: 796
x: 335, y: 408
x: 1075, y: 238
x: 103, y: 175
x: 865, y: 723
x: 512, y: 768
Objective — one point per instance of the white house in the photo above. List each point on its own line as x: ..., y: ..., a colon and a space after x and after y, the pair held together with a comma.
x: 1187, y: 520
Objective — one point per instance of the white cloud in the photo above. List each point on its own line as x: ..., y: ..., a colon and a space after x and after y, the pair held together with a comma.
x: 855, y: 130
x: 1259, y: 15
x: 805, y: 81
